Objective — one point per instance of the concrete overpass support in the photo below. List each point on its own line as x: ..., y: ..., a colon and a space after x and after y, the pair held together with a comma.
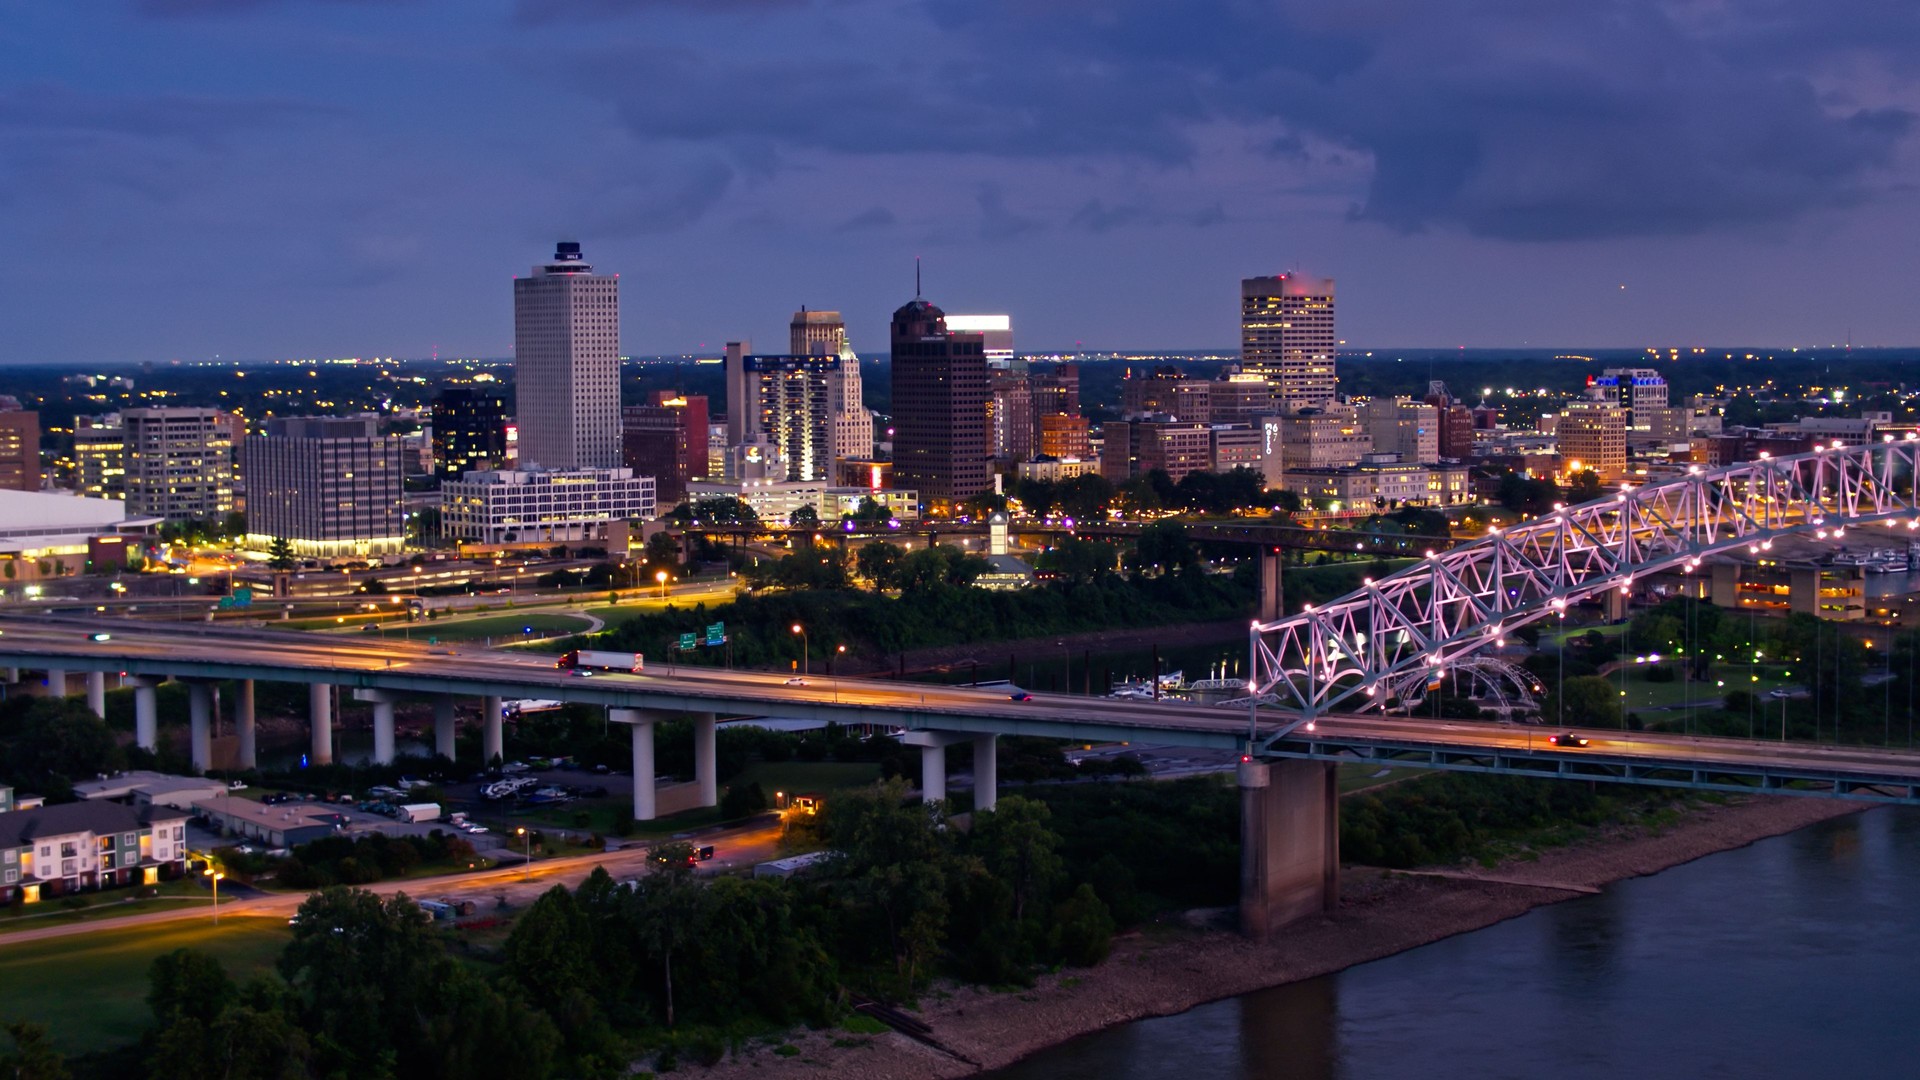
x: 243, y: 720
x: 443, y: 726
x: 97, y: 693
x: 933, y: 760
x: 320, y: 715
x: 382, y: 702
x: 1272, y: 593
x: 493, y: 740
x: 706, y: 770
x: 641, y: 721
x: 56, y: 682
x: 146, y: 713
x: 200, y: 714
x: 1726, y: 585
x: 986, y: 771
x: 1289, y: 844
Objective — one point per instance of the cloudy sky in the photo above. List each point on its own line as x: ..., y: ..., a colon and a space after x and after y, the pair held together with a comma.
x: 273, y: 178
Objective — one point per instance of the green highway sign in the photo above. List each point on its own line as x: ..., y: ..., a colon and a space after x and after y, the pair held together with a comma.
x: 717, y: 634
x: 689, y: 641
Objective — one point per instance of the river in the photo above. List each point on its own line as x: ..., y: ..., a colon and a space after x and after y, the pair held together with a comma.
x: 1788, y: 958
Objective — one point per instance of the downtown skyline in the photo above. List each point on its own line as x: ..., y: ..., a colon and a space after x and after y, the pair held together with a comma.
x: 254, y: 179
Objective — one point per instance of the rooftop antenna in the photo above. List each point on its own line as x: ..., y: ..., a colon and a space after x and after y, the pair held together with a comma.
x: 916, y: 277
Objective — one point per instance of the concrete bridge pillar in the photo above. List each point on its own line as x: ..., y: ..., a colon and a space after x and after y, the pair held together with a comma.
x: 146, y: 713
x: 97, y: 693
x: 1614, y: 603
x: 986, y: 771
x: 933, y: 760
x: 382, y: 702
x: 56, y: 682
x: 641, y: 722
x: 1726, y: 585
x: 200, y: 717
x: 13, y: 675
x: 443, y: 728
x: 1272, y: 592
x: 320, y: 715
x: 1289, y: 843
x: 243, y: 720
x: 706, y: 770
x: 492, y: 739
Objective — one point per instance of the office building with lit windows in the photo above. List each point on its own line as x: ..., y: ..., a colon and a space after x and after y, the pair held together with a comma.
x: 179, y: 463
x: 331, y: 486
x: 541, y: 506
x: 469, y: 429
x: 566, y: 364
x: 942, y: 442
x: 1287, y: 337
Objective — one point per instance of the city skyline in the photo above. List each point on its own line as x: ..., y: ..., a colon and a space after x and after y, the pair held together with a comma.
x: 1659, y: 182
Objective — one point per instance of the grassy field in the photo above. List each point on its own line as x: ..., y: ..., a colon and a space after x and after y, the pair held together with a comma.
x: 110, y: 904
x: 501, y: 628
x: 91, y: 990
x: 800, y: 776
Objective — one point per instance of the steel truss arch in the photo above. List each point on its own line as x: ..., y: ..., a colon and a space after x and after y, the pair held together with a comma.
x: 1356, y: 651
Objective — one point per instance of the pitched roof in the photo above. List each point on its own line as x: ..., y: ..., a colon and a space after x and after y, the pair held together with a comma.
x: 22, y: 827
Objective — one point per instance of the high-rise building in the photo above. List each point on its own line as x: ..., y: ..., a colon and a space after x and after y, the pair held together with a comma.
x: 1136, y: 447
x: 1456, y: 422
x: 1634, y: 389
x: 1166, y: 391
x: 1400, y: 425
x: 1240, y: 398
x: 850, y: 422
x: 941, y: 442
x: 1287, y: 337
x: 100, y: 456
x: 996, y: 335
x: 566, y: 364
x: 781, y: 403
x: 19, y: 449
x: 1011, y: 414
x: 1063, y: 436
x: 330, y: 486
x: 1593, y: 435
x: 469, y: 430
x: 179, y: 463
x: 666, y: 440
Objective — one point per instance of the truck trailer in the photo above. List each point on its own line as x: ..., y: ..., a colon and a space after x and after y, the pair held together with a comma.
x: 594, y: 659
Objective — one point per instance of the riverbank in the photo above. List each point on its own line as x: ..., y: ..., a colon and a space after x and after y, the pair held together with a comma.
x: 1169, y: 969
x: 992, y: 655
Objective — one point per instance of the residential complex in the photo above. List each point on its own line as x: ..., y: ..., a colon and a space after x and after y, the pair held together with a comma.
x: 49, y: 851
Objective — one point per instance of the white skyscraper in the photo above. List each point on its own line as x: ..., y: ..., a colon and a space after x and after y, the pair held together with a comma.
x: 566, y: 333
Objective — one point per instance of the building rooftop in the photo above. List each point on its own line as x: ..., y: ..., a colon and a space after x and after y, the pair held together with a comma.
x: 22, y: 827
x: 284, y: 816
x: 154, y: 783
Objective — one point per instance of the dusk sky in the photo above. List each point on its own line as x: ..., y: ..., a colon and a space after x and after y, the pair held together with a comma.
x: 287, y: 178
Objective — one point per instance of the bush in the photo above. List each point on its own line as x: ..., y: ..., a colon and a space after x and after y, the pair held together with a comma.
x: 1661, y: 673
x: 1084, y: 928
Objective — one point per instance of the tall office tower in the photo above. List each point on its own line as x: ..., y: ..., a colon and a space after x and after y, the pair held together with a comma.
x: 1011, y: 410
x: 1056, y: 388
x: 331, y: 486
x: 666, y: 440
x: 100, y: 456
x: 996, y: 334
x: 469, y: 430
x: 779, y: 404
x: 824, y: 333
x: 941, y: 444
x: 1286, y: 336
x: 19, y: 448
x: 179, y: 463
x: 1637, y: 390
x: 1593, y: 435
x: 1400, y: 425
x: 566, y: 364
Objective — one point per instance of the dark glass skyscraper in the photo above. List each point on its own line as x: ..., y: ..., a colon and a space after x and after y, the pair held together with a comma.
x: 941, y: 438
x: 469, y: 430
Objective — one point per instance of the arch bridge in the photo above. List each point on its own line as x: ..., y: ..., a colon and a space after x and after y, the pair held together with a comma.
x: 1355, y: 653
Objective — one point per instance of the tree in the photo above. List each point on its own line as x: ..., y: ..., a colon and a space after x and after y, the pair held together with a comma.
x: 879, y: 563
x: 187, y: 984
x: 1584, y: 486
x: 663, y: 550
x: 667, y: 902
x: 871, y: 512
x: 1587, y: 701
x: 550, y: 951
x: 1164, y: 544
x: 807, y: 517
x: 280, y: 554
x: 725, y: 510
x: 1016, y: 845
x: 33, y: 1056
x: 1084, y: 928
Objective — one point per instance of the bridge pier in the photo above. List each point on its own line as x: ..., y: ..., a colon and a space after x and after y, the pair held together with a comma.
x: 640, y: 721
x: 382, y: 702
x: 933, y: 760
x: 986, y: 771
x: 1289, y: 843
x: 97, y: 693
x: 443, y: 727
x: 1272, y: 591
x: 56, y: 682
x: 706, y: 767
x: 492, y: 738
x: 146, y: 713
x: 200, y: 718
x: 320, y: 716
x: 243, y: 721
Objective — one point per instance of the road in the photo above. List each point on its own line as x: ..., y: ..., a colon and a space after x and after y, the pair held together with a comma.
x: 734, y: 849
x: 417, y: 667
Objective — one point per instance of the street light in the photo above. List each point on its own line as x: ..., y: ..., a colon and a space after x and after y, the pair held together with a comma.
x: 216, y: 876
x: 661, y: 577
x: 802, y: 631
x: 522, y: 831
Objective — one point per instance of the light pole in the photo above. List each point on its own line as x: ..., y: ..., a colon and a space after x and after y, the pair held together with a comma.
x: 661, y: 577
x: 522, y: 831
x: 802, y: 631
x: 215, y: 875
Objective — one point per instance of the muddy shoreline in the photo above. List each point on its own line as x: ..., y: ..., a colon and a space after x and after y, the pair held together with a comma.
x: 1169, y: 969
